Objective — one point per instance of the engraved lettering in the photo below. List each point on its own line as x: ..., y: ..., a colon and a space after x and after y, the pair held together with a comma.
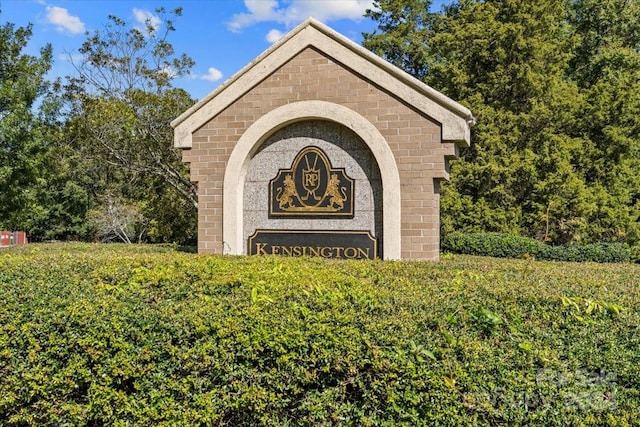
x: 350, y: 252
x: 326, y: 252
x: 363, y: 253
x: 260, y: 248
x: 311, y: 178
x: 325, y: 244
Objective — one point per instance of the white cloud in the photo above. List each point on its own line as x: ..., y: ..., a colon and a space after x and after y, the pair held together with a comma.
x: 273, y: 36
x: 259, y: 11
x: 60, y: 17
x: 294, y: 11
x: 72, y: 58
x: 212, y: 75
x: 147, y: 19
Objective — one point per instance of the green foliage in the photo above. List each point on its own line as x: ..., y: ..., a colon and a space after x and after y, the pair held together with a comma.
x: 404, y: 30
x: 634, y: 254
x: 109, y: 157
x: 141, y: 335
x: 122, y: 102
x: 503, y: 245
x: 22, y: 131
x: 554, y: 86
x: 490, y: 244
x: 581, y: 307
x: 62, y: 170
x: 596, y: 252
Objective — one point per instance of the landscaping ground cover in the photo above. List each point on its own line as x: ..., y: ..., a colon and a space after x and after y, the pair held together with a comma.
x: 144, y: 335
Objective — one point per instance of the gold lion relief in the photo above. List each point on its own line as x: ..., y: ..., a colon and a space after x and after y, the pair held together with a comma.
x: 337, y: 196
x: 287, y: 193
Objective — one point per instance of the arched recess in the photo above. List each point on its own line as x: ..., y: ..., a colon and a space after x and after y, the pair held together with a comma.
x: 254, y: 136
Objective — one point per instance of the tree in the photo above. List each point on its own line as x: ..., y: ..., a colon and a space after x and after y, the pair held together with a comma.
x: 121, y: 102
x: 118, y: 221
x: 606, y: 67
x: 506, y: 59
x: 404, y: 30
x: 520, y: 66
x: 22, y: 131
x: 123, y: 99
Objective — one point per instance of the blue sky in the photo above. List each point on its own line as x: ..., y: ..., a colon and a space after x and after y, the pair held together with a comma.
x: 220, y: 35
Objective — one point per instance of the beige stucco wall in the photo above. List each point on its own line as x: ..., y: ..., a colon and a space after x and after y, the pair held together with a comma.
x: 413, y: 138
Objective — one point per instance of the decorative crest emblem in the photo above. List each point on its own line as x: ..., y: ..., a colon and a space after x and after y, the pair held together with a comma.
x: 311, y: 187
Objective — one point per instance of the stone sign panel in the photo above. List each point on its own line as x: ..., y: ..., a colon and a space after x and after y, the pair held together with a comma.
x: 314, y: 176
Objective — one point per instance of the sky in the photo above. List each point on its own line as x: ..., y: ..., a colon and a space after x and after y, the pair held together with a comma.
x: 221, y: 36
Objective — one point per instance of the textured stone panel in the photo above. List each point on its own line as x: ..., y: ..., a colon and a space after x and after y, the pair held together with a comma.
x: 344, y: 150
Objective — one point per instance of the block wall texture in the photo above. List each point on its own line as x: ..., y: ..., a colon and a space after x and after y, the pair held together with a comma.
x: 414, y: 139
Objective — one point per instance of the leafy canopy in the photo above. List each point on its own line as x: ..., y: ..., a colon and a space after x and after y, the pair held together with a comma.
x: 121, y: 102
x: 22, y: 84
x: 554, y: 85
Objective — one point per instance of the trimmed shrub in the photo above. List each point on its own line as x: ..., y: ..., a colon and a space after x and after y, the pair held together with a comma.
x: 498, y: 245
x: 134, y: 335
x: 502, y: 245
x: 596, y: 252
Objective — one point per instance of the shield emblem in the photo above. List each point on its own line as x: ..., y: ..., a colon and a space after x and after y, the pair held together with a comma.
x: 311, y: 187
x: 311, y: 178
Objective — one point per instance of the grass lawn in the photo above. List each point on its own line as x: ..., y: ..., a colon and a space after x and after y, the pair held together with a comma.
x: 145, y: 335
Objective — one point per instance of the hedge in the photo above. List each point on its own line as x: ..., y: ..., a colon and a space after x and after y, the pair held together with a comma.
x: 634, y: 254
x: 133, y: 335
x: 503, y: 245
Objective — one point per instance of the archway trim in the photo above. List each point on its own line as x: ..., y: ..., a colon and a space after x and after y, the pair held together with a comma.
x: 261, y: 129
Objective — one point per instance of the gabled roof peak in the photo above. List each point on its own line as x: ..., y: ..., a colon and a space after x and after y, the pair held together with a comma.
x: 455, y: 118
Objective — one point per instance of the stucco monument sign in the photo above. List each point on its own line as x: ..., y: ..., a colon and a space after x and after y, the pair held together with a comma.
x: 320, y: 148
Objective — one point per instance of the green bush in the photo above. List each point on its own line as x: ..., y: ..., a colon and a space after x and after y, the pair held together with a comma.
x: 596, y: 252
x: 138, y: 335
x: 499, y: 245
x: 503, y: 245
